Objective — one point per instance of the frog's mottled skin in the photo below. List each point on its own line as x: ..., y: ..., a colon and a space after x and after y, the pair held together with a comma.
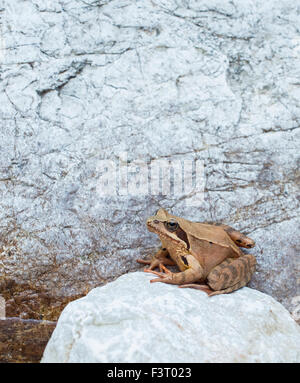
x: 208, y: 255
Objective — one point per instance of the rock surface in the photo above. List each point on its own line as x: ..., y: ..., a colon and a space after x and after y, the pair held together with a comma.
x: 23, y: 340
x: 132, y: 320
x: 83, y: 81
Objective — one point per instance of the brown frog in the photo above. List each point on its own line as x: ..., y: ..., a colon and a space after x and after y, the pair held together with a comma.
x: 208, y: 255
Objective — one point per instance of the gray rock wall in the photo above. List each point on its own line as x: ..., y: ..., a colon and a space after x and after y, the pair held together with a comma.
x: 86, y: 80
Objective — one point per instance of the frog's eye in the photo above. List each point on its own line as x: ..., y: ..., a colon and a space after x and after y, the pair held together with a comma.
x: 172, y: 225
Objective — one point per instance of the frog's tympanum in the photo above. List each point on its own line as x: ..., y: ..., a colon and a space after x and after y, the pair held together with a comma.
x: 208, y: 255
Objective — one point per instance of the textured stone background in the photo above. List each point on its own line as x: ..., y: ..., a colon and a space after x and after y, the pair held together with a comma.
x: 85, y: 80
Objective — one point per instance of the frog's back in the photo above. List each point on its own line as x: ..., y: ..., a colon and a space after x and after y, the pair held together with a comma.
x: 207, y: 232
x: 210, y: 234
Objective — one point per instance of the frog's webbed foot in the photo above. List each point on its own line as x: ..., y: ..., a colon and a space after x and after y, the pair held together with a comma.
x: 154, y: 262
x: 145, y: 261
x: 239, y: 238
x: 158, y: 260
x: 166, y: 277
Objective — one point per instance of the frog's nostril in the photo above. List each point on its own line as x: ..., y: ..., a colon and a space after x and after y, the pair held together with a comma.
x: 156, y: 222
x: 249, y: 245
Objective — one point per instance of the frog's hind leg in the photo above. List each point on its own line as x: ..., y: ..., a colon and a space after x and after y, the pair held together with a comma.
x: 239, y: 238
x: 197, y: 286
x: 205, y: 287
x: 229, y: 289
x: 231, y: 274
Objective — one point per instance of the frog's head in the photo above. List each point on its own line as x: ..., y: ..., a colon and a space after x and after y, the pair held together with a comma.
x: 168, y: 227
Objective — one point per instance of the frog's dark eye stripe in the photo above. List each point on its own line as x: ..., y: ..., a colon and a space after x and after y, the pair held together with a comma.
x: 182, y: 235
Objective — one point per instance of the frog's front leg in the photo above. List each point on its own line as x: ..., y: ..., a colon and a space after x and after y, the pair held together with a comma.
x: 162, y: 257
x: 194, y: 272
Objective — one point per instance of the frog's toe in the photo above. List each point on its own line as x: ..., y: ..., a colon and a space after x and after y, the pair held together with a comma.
x: 144, y: 261
x: 203, y: 287
x: 153, y: 263
x: 157, y: 280
x: 163, y: 268
x: 154, y: 272
x: 164, y: 278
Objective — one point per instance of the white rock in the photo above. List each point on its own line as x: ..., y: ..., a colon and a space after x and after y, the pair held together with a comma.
x: 132, y: 320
